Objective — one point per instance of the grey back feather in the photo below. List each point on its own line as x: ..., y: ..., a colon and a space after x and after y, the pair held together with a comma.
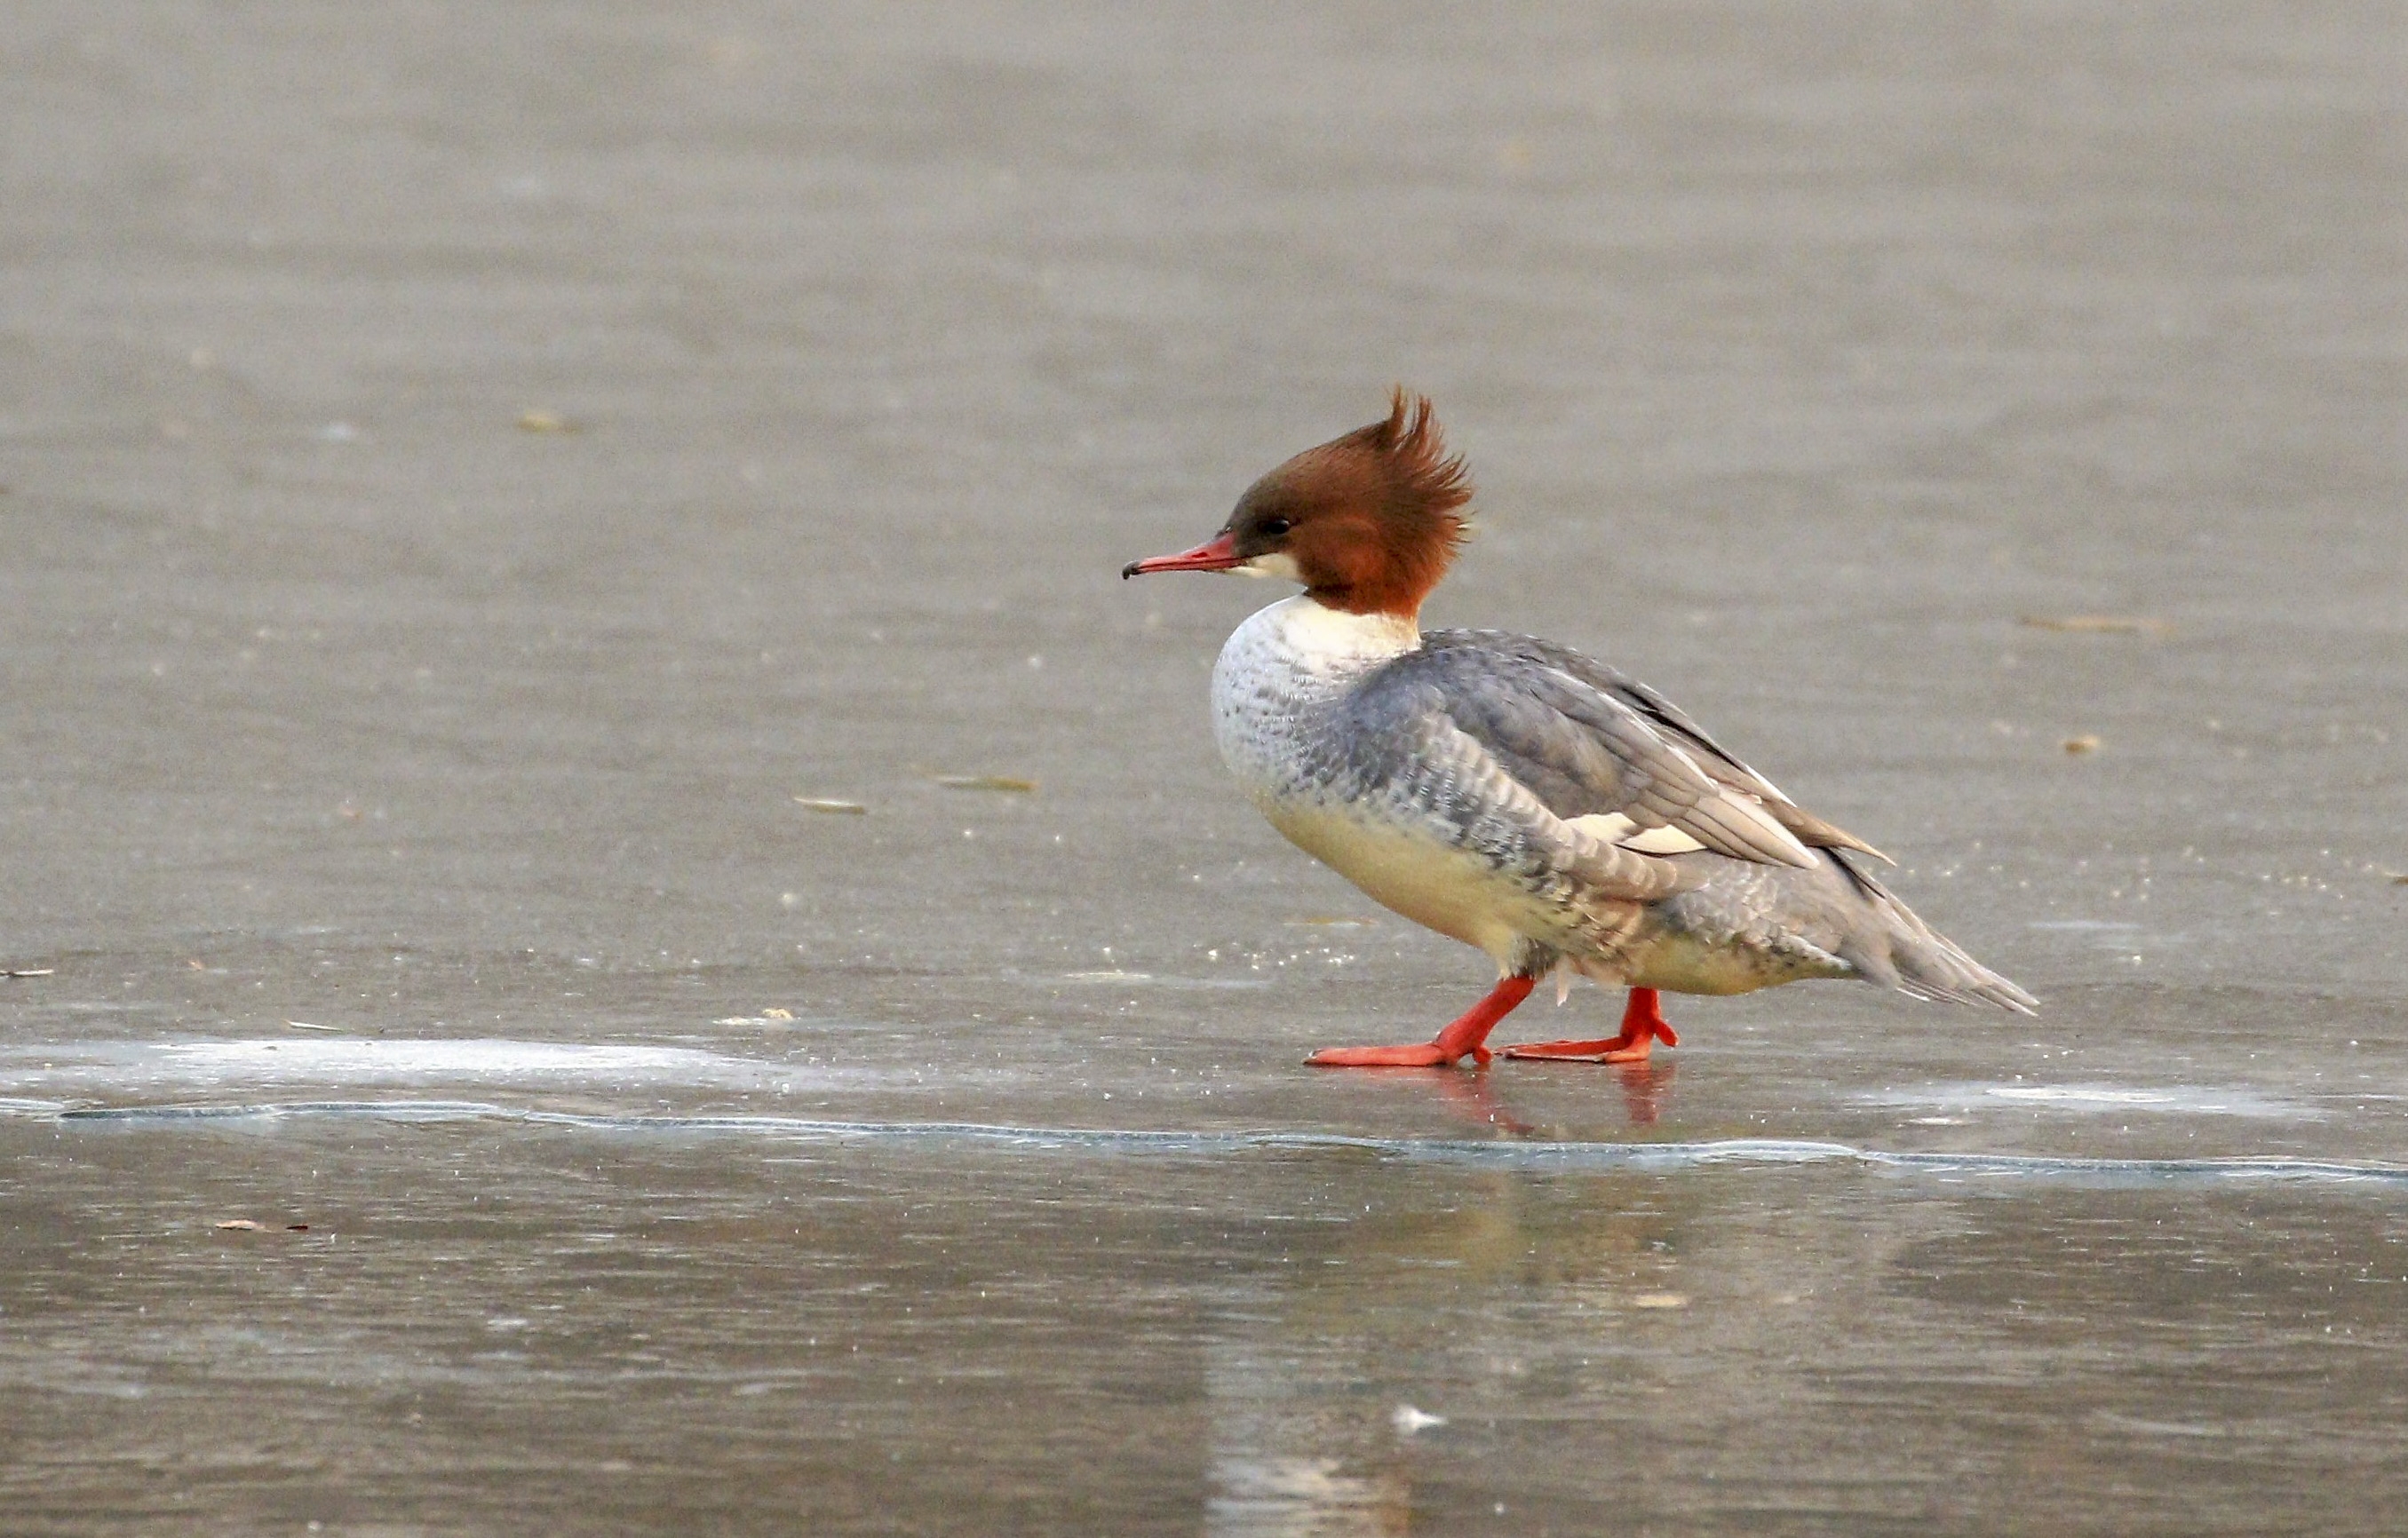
x: 1664, y: 721
x: 1579, y: 740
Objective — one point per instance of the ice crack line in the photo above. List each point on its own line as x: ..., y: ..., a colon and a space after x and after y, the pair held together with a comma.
x: 1511, y: 1153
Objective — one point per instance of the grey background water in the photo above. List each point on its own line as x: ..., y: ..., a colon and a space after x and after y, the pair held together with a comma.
x: 417, y: 784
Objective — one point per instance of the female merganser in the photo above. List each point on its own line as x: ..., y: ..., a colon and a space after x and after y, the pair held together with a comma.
x: 1511, y: 792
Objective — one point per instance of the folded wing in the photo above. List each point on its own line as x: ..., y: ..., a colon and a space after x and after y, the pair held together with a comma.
x: 1674, y: 723
x: 1599, y: 766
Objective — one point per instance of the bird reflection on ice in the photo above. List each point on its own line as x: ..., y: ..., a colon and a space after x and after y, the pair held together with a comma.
x: 1263, y: 1487
x: 1646, y: 1091
x: 1289, y: 1497
x: 1350, y: 1395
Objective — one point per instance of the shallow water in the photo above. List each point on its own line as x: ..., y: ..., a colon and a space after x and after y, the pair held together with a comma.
x: 471, y: 476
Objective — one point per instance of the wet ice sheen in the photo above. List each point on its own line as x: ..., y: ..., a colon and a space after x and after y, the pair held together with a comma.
x: 1799, y: 351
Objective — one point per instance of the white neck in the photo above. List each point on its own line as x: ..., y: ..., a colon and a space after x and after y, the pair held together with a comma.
x: 1281, y: 671
x: 1319, y: 636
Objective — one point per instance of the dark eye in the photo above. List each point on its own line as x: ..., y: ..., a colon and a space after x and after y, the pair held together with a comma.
x: 1274, y: 527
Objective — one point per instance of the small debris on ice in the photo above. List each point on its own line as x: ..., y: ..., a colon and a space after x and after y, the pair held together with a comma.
x: 2099, y: 624
x: 985, y: 782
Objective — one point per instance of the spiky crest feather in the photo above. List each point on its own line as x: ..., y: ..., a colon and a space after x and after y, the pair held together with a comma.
x: 1399, y: 494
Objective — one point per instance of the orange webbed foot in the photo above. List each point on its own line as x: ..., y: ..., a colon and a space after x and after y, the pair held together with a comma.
x: 1461, y: 1039
x: 1643, y: 1026
x: 1429, y: 1054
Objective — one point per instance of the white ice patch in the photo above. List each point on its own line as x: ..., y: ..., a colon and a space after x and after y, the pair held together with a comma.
x: 2062, y: 1094
x: 2110, y: 934
x: 2094, y: 1099
x: 113, y: 1067
x: 1152, y: 979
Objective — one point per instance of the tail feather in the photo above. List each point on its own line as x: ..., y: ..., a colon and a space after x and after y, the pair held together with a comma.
x: 1917, y: 959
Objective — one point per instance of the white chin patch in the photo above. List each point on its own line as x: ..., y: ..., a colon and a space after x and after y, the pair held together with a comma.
x: 1277, y: 563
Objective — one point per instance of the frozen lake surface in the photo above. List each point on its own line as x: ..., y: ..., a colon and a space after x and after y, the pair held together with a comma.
x: 616, y: 924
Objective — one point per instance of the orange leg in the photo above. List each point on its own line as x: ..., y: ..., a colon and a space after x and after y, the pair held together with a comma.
x: 1643, y: 1026
x: 1459, y: 1040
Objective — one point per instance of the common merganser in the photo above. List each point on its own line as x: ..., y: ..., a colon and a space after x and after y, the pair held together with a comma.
x: 1511, y: 792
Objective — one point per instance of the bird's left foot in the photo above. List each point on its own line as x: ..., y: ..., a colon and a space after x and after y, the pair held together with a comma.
x: 1643, y: 1026
x: 1428, y: 1054
x: 1461, y: 1039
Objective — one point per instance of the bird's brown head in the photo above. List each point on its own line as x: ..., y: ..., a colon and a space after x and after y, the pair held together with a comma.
x: 1369, y: 522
